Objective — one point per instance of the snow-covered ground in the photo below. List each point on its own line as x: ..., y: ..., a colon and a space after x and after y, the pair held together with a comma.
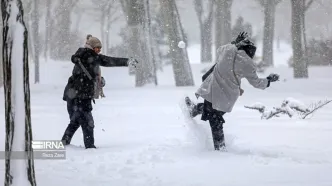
x: 144, y: 139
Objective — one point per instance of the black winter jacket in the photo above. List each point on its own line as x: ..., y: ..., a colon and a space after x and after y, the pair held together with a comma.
x: 79, y: 85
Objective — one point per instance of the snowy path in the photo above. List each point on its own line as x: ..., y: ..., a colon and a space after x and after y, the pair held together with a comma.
x: 143, y: 140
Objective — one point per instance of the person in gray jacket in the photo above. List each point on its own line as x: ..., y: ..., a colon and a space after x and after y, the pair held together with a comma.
x: 222, y: 86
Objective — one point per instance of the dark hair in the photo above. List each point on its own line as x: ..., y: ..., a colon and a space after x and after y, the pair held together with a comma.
x: 248, y: 46
x: 249, y: 49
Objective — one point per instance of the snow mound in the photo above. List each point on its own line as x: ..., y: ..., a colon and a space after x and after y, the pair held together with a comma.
x: 295, y: 104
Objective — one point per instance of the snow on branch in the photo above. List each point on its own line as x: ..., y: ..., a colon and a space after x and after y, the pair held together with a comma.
x: 288, y: 107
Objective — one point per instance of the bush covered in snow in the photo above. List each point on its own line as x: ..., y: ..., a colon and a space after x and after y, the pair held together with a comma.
x: 290, y: 107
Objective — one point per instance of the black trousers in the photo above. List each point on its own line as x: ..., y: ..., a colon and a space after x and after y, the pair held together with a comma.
x: 215, y: 119
x: 80, y: 116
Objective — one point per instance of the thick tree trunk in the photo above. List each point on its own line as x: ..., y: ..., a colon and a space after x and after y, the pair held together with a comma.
x: 60, y: 43
x: 226, y: 22
x: 138, y: 46
x: 36, y: 43
x: 223, y: 29
x: 218, y: 25
x: 151, y: 46
x: 1, y: 47
x: 269, y: 20
x: 47, y: 28
x: 206, y: 41
x: 18, y: 172
x: 179, y: 56
x: 300, y: 66
x: 205, y: 25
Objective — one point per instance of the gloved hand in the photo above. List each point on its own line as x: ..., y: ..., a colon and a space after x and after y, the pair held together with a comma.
x: 240, y: 37
x: 273, y: 77
x: 132, y: 62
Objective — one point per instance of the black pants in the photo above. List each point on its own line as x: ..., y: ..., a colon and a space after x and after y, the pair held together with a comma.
x: 215, y: 119
x: 80, y: 116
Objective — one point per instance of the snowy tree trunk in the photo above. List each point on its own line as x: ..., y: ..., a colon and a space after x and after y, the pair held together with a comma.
x: 269, y: 20
x: 205, y: 25
x: 183, y: 52
x: 223, y: 30
x: 138, y: 45
x: 179, y: 56
x: 151, y: 46
x: 18, y: 172
x: 102, y: 28
x: 1, y: 65
x: 36, y: 43
x: 206, y: 41
x: 226, y: 22
x: 108, y: 28
x: 47, y: 28
x: 300, y: 66
x: 60, y: 40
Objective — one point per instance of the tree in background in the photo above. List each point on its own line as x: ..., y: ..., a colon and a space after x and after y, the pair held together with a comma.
x: 173, y: 27
x: 300, y: 62
x: 35, y: 38
x: 17, y: 96
x: 223, y: 29
x: 1, y: 69
x: 205, y: 18
x: 135, y: 11
x: 242, y: 26
x: 63, y: 40
x: 106, y: 14
x: 48, y: 28
x: 269, y: 8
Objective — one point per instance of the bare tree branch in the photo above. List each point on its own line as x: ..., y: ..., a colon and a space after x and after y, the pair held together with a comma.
x: 316, y: 107
x: 210, y: 13
x: 277, y: 1
x: 199, y: 10
x: 288, y: 107
x: 124, y: 5
x: 307, y: 6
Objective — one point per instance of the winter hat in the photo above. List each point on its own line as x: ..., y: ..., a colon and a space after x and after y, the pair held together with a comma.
x: 94, y: 42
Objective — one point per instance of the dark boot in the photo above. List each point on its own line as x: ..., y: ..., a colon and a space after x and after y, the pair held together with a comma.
x: 69, y: 132
x: 218, y: 134
x: 194, y: 109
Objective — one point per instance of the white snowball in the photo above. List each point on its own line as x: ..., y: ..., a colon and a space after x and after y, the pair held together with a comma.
x: 181, y: 44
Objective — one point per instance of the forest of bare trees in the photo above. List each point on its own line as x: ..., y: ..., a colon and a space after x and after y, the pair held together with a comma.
x: 153, y: 29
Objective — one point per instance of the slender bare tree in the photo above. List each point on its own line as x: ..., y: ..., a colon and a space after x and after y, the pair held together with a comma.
x: 1, y: 69
x: 48, y: 28
x: 223, y: 29
x: 17, y: 96
x: 269, y: 8
x: 151, y: 45
x: 205, y: 18
x: 36, y: 40
x: 173, y: 27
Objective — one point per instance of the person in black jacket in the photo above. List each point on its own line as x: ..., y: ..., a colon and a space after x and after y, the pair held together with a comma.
x: 80, y: 89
